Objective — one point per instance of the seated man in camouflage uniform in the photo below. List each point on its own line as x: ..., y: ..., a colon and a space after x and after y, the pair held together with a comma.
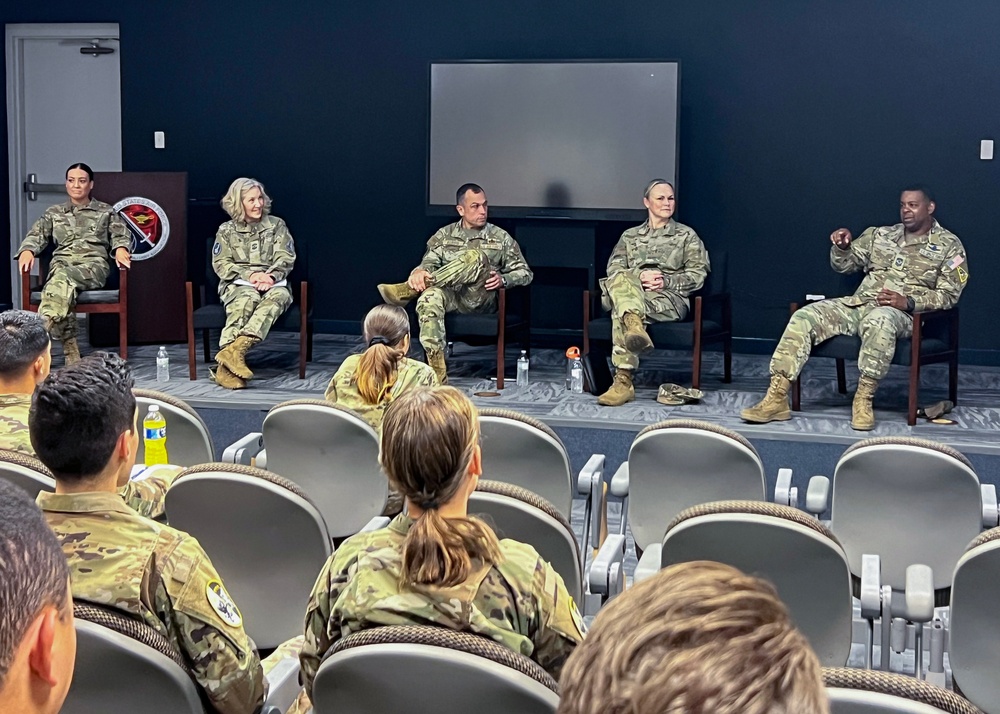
x: 86, y: 232
x: 651, y: 273
x: 465, y: 264
x: 84, y: 425
x: 912, y: 266
x: 25, y: 358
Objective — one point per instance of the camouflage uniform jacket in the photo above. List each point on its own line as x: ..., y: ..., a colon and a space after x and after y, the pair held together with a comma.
x: 931, y: 269
x: 14, y: 423
x: 501, y: 250
x: 521, y: 602
x: 82, y: 234
x: 343, y: 390
x: 242, y: 249
x: 675, y: 250
x: 121, y: 560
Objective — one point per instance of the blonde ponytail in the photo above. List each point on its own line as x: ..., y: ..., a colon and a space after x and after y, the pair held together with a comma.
x: 385, y: 332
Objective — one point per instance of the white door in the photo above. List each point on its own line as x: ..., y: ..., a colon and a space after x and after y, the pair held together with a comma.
x: 63, y: 106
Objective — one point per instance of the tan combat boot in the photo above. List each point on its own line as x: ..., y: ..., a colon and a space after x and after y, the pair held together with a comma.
x: 774, y: 405
x: 862, y: 416
x: 71, y: 350
x: 397, y: 293
x: 435, y: 358
x: 636, y: 339
x: 224, y: 378
x: 620, y: 392
x: 233, y: 356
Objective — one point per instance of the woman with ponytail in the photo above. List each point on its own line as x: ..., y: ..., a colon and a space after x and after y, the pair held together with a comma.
x: 435, y: 564
x: 370, y: 381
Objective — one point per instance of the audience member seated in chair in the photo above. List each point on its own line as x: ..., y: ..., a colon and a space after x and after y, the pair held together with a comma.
x: 252, y: 255
x: 37, y: 639
x: 25, y: 358
x: 915, y: 265
x: 696, y: 637
x: 84, y: 425
x: 86, y: 232
x: 466, y: 263
x: 437, y: 565
x: 368, y: 382
x: 651, y: 273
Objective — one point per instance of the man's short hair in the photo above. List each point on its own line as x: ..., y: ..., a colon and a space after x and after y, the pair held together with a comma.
x: 23, y: 339
x: 33, y: 571
x: 922, y: 188
x: 465, y: 188
x: 78, y: 412
x: 696, y: 637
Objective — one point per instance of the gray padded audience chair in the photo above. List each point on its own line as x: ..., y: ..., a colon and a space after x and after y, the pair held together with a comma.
x: 521, y: 515
x: 862, y: 691
x: 26, y: 471
x: 264, y: 536
x: 429, y: 670
x: 795, y: 552
x: 188, y: 440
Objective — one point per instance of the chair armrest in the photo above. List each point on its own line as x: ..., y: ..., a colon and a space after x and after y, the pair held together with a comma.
x: 945, y: 315
x: 716, y: 299
x: 919, y: 593
x: 817, y: 495
x: 607, y: 574
x: 871, y: 586
x: 591, y: 471
x: 282, y: 685
x: 619, y: 482
x: 991, y: 515
x: 244, y: 449
x: 649, y: 564
x: 784, y: 493
x: 591, y: 483
x: 376, y: 523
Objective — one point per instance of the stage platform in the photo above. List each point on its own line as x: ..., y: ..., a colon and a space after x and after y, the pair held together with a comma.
x: 824, y: 417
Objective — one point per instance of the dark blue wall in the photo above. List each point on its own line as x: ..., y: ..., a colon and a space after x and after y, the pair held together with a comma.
x: 796, y: 118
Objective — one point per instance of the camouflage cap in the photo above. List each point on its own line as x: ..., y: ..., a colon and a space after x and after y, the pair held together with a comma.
x: 674, y: 395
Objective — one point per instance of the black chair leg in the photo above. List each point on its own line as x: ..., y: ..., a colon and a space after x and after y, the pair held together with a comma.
x: 841, y: 377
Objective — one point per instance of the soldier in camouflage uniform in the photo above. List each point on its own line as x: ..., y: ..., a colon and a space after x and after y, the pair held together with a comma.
x: 25, y: 358
x: 253, y: 254
x: 500, y: 589
x: 464, y: 265
x: 652, y: 271
x: 86, y: 232
x: 913, y: 266
x: 121, y: 560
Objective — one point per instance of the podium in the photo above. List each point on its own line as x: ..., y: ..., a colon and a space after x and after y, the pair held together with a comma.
x: 153, y: 207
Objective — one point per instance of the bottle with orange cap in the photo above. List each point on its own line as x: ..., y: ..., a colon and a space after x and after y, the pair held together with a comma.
x: 574, y: 370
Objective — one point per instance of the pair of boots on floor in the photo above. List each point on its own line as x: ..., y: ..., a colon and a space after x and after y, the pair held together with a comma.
x: 774, y: 405
x: 231, y: 369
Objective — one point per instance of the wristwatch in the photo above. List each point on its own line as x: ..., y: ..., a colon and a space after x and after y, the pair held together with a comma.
x: 503, y: 281
x: 910, y: 304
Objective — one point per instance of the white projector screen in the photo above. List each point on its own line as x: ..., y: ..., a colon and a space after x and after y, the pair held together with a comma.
x: 552, y: 139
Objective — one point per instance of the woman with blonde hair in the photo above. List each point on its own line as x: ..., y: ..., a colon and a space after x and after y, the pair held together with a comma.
x: 436, y: 565
x: 370, y: 381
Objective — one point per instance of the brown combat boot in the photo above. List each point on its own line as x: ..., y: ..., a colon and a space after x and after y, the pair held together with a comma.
x: 862, y: 416
x: 397, y: 293
x: 636, y: 339
x: 233, y: 356
x: 224, y: 378
x: 620, y: 392
x: 71, y: 350
x: 435, y: 358
x: 774, y: 405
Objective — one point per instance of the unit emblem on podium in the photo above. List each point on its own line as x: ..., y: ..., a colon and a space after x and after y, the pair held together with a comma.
x: 147, y: 223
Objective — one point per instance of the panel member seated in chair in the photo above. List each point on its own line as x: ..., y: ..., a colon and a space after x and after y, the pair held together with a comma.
x: 84, y: 425
x: 367, y: 383
x: 37, y: 638
x: 86, y: 233
x: 697, y: 637
x: 915, y: 265
x: 25, y: 359
x: 465, y: 264
x: 253, y: 255
x: 652, y: 271
x: 437, y: 565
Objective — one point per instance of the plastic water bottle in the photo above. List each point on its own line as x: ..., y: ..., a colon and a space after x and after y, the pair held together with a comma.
x: 154, y: 436
x: 162, y: 365
x: 522, y: 369
x: 576, y: 376
x: 573, y: 353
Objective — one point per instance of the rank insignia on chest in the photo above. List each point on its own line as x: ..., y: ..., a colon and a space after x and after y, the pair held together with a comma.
x: 899, y: 262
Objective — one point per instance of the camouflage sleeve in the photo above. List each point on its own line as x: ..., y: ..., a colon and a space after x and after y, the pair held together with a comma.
x: 618, y: 262
x: 118, y: 234
x: 284, y: 253
x: 322, y: 626
x: 434, y: 255
x: 856, y: 257
x: 695, y: 269
x: 560, y: 627
x: 38, y: 237
x: 953, y: 274
x: 146, y: 494
x: 208, y: 627
x: 513, y: 266
x: 331, y: 390
x: 222, y: 258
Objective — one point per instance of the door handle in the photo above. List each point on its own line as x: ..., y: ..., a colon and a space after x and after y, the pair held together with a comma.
x: 33, y: 188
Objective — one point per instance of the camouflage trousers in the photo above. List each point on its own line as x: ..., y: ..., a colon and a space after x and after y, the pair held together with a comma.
x: 457, y: 286
x: 878, y: 327
x: 60, y: 290
x: 251, y: 312
x: 624, y: 293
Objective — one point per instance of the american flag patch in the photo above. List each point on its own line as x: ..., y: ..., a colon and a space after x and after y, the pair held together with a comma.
x: 955, y: 262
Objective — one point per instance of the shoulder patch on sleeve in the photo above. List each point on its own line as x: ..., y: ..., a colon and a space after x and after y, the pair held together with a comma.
x: 217, y: 248
x: 220, y: 601
x: 963, y: 275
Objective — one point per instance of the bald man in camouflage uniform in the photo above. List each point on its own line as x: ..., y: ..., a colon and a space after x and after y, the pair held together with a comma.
x: 359, y: 588
x: 464, y: 265
x: 86, y: 233
x: 652, y: 271
x: 913, y: 266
